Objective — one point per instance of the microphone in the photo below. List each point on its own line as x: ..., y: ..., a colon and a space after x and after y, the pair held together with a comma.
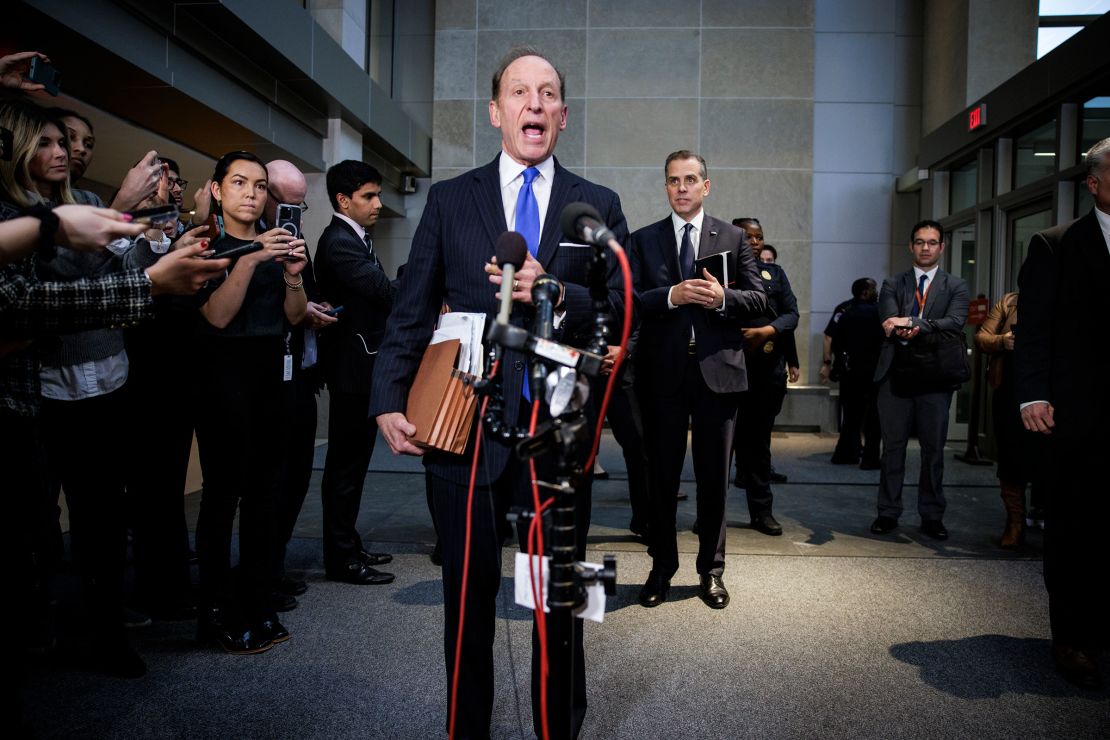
x: 545, y: 294
x: 511, y: 251
x: 582, y: 221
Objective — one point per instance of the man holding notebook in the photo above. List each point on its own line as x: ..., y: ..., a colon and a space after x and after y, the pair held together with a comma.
x: 690, y: 366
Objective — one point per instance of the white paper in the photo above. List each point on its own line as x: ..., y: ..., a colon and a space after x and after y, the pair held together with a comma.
x: 469, y: 329
x: 522, y: 591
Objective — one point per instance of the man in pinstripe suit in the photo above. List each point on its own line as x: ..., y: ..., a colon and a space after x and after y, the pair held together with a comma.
x: 448, y: 264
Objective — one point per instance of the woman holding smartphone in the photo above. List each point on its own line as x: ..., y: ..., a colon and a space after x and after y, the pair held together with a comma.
x: 243, y: 359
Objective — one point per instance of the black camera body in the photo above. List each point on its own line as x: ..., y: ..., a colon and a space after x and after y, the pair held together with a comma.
x: 289, y: 218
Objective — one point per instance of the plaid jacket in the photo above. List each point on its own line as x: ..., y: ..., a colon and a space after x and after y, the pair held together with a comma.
x: 29, y: 308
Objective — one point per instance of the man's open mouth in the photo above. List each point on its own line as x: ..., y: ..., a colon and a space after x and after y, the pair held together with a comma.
x: 533, y: 130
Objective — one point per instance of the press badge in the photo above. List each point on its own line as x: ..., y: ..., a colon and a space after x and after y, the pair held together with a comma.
x: 287, y: 369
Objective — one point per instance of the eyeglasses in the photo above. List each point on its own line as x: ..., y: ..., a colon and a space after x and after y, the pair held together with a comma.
x: 931, y: 242
x: 177, y: 182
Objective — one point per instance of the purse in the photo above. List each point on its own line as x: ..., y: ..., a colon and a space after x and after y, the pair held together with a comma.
x: 930, y: 363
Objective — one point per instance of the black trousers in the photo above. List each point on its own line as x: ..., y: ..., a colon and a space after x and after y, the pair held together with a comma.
x: 859, y: 408
x: 489, y: 531
x: 711, y: 417
x: 82, y: 440
x: 1076, y: 560
x: 300, y: 448
x: 351, y: 437
x: 161, y: 365
x: 626, y: 422
x: 241, y: 435
x: 758, y: 407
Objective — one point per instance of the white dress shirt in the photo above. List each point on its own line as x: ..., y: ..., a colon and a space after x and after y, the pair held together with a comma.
x: 512, y: 177
x: 678, y: 224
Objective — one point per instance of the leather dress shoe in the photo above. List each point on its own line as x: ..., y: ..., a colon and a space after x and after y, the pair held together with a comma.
x: 273, y: 630
x: 1076, y: 666
x: 934, y: 528
x: 654, y: 591
x: 437, y: 555
x: 777, y: 477
x: 280, y: 602
x: 212, y: 630
x: 374, y: 558
x: 870, y: 465
x: 884, y: 525
x: 290, y: 586
x: 359, y: 574
x: 767, y: 525
x: 713, y: 592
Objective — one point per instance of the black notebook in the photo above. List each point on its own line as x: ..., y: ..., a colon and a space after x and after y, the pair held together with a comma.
x: 717, y: 264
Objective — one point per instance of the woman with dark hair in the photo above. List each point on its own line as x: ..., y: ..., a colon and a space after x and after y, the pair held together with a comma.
x: 243, y: 357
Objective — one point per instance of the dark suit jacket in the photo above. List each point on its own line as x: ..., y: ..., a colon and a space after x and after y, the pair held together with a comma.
x: 945, y: 309
x: 348, y: 277
x: 1062, y: 289
x: 665, y: 332
x: 462, y: 220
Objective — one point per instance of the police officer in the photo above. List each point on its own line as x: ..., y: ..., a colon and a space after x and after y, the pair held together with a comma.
x: 764, y: 354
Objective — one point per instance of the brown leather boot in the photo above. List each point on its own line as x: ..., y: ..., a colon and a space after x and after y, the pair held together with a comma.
x: 1013, y: 498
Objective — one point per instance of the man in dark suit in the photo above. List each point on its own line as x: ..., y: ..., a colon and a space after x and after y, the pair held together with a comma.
x: 765, y: 359
x: 525, y: 189
x: 690, y: 366
x: 351, y: 276
x: 1063, y: 285
x: 920, y: 301
x: 853, y: 340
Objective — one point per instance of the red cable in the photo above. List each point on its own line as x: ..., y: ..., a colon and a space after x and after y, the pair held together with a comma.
x: 626, y: 332
x: 535, y: 548
x: 466, y: 563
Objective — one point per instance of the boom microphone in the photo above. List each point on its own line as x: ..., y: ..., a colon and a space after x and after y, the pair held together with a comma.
x: 511, y: 251
x: 582, y: 221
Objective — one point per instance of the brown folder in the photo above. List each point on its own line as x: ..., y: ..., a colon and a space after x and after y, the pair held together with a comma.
x: 441, y: 401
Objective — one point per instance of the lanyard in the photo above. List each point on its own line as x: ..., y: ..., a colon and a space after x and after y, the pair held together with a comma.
x: 922, y: 297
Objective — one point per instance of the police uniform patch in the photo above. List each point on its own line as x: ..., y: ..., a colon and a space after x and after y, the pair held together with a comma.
x: 766, y: 275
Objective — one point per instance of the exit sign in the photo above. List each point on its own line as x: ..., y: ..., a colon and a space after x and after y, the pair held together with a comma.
x: 977, y: 117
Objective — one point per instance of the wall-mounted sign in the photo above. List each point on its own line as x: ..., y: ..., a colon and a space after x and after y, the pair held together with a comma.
x: 977, y: 117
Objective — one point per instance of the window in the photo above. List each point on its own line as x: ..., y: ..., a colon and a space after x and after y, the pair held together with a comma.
x: 963, y: 181
x: 1095, y: 125
x: 1035, y: 154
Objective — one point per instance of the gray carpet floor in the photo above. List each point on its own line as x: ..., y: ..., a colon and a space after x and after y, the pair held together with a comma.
x: 832, y: 632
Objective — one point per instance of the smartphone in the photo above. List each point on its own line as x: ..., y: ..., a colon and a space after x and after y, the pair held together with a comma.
x: 236, y: 252
x: 45, y: 74
x: 289, y: 218
x: 215, y: 228
x: 157, y: 216
x: 333, y: 311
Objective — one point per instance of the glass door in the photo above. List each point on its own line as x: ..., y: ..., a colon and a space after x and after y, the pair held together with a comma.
x: 1023, y: 224
x: 962, y: 262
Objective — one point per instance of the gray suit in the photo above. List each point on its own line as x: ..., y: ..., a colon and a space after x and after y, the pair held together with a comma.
x: 925, y: 414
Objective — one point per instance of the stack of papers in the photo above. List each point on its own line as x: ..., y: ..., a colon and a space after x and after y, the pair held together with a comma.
x: 469, y: 329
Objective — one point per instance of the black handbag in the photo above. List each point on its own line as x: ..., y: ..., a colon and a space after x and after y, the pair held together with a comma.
x: 929, y: 363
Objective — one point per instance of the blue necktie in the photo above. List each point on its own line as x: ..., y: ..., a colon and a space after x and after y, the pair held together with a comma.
x: 686, y: 253
x: 528, y: 226
x: 920, y: 292
x: 528, y: 212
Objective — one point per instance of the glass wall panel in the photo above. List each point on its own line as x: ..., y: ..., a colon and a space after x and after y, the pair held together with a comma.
x: 1095, y: 125
x: 1022, y: 230
x: 1035, y: 154
x: 963, y: 181
x: 961, y: 250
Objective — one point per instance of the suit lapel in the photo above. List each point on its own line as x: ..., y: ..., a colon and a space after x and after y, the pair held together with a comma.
x: 909, y: 290
x: 707, y: 245
x: 668, y: 243
x: 934, y: 295
x: 487, y: 196
x: 561, y: 189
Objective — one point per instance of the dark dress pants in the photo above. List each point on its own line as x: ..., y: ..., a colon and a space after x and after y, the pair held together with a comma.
x: 160, y: 367
x: 83, y: 441
x: 626, y: 423
x: 297, y: 463
x: 860, y: 414
x: 1076, y: 560
x: 711, y: 417
x: 241, y: 435
x: 758, y: 407
x: 925, y: 415
x: 351, y: 437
